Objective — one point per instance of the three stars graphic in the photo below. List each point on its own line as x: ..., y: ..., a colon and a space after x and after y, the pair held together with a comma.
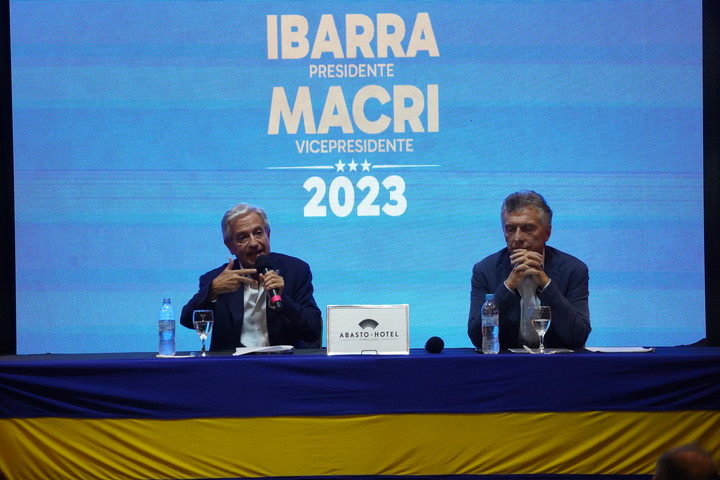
x: 340, y: 166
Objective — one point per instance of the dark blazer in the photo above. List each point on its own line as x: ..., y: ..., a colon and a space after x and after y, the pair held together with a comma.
x: 299, y: 320
x: 567, y: 296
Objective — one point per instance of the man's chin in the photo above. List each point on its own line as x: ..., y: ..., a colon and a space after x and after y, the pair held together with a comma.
x: 250, y: 259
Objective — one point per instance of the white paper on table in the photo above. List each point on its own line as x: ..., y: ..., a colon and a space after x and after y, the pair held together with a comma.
x: 620, y: 349
x: 537, y: 350
x: 271, y: 349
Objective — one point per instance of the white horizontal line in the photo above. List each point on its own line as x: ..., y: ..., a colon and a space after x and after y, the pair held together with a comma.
x: 401, y: 166
x: 313, y: 167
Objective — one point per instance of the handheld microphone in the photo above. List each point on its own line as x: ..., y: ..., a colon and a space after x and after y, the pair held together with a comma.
x: 263, y: 264
x: 434, y: 345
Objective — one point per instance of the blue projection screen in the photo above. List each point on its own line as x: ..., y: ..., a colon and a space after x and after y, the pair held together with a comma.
x: 380, y: 137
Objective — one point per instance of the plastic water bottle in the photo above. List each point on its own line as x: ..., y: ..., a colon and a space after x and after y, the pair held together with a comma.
x: 490, y: 325
x: 166, y: 322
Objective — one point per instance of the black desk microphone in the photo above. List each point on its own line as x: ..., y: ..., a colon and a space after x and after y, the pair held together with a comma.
x: 434, y: 345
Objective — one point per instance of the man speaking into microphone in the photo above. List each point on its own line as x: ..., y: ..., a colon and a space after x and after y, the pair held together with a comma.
x: 260, y: 298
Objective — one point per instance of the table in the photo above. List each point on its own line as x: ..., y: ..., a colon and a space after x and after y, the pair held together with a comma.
x: 134, y: 416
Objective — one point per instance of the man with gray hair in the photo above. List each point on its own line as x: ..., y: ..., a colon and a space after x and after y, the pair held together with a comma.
x: 528, y: 272
x: 688, y: 462
x: 244, y: 298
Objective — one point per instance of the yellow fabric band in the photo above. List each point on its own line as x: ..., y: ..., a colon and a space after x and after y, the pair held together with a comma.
x: 617, y: 443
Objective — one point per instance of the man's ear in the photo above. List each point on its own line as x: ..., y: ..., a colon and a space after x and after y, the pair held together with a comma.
x: 230, y: 247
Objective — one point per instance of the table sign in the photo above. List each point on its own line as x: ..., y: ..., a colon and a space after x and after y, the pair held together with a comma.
x: 368, y: 329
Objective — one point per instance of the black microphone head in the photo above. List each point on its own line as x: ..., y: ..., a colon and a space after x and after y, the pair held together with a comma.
x: 262, y: 263
x: 434, y: 345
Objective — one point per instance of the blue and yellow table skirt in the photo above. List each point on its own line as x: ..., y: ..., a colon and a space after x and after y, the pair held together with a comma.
x: 454, y: 414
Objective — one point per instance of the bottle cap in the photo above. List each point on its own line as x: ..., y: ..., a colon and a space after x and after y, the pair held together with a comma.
x: 489, y: 296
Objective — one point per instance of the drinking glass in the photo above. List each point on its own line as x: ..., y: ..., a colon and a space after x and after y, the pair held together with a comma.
x: 203, y: 323
x: 540, y: 317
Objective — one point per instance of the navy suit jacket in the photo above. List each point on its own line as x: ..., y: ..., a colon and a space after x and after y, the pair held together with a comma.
x: 567, y: 296
x: 299, y: 321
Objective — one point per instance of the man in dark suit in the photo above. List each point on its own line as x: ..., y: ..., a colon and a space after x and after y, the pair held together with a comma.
x: 528, y: 272
x: 239, y: 295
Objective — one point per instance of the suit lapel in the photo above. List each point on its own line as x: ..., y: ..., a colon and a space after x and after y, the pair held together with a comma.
x: 237, y: 308
x: 551, y: 268
x: 504, y: 266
